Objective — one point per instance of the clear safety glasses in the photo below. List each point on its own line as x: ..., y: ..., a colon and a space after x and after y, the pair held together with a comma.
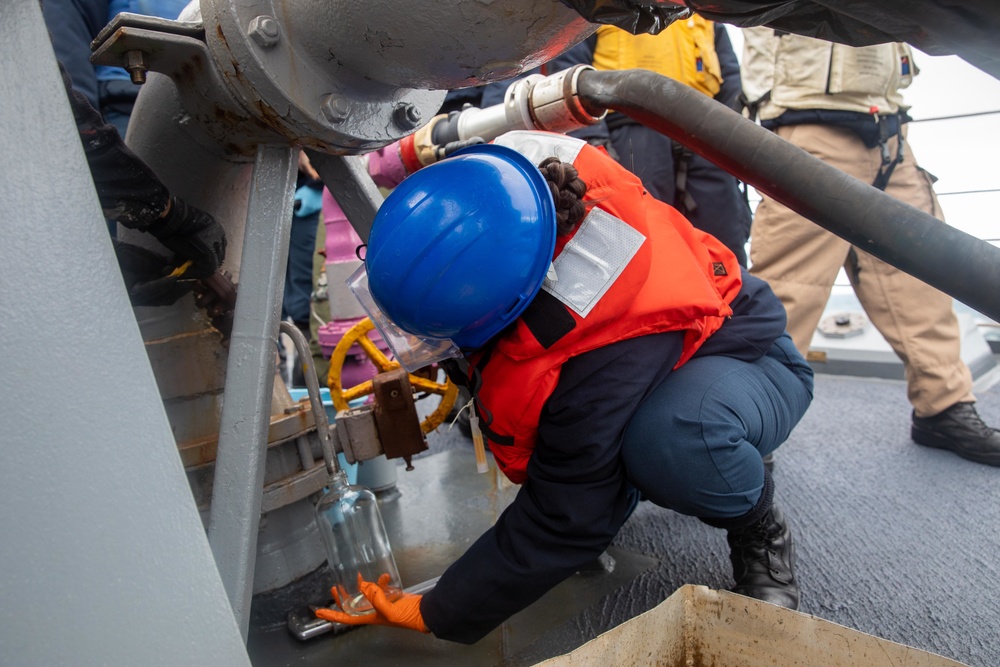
x: 411, y: 351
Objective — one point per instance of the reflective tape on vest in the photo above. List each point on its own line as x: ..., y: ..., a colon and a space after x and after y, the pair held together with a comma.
x: 591, y: 262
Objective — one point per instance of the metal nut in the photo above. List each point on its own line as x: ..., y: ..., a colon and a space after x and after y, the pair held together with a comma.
x: 407, y: 116
x: 135, y: 64
x: 265, y: 31
x: 335, y: 109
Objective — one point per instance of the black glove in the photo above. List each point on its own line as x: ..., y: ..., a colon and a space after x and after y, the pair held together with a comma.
x: 454, y: 146
x: 149, y: 276
x: 192, y: 234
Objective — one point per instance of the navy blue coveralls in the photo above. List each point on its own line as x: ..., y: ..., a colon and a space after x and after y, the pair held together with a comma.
x: 689, y: 440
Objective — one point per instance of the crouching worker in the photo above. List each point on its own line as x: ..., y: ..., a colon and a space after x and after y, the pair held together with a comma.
x: 614, y: 352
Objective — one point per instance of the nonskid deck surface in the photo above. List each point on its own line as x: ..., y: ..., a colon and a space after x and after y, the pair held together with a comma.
x: 895, y: 540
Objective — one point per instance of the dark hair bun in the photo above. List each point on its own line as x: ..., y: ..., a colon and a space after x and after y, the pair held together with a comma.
x: 567, y: 191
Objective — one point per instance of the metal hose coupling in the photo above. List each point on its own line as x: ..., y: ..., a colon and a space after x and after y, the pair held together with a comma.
x: 535, y: 102
x: 553, y: 102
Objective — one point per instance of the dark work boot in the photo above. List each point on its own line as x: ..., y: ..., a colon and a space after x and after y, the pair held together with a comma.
x: 763, y: 557
x: 959, y: 429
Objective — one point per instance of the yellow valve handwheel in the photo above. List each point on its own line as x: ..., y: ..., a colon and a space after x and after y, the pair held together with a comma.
x: 341, y: 397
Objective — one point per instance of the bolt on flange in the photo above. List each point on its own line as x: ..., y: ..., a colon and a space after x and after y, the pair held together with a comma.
x: 135, y: 65
x: 407, y: 116
x: 265, y: 31
x: 335, y: 109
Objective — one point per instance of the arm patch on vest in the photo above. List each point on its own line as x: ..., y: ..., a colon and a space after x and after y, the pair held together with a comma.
x: 547, y: 319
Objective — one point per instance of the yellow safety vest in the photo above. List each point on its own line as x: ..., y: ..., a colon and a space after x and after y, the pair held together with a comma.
x: 685, y: 52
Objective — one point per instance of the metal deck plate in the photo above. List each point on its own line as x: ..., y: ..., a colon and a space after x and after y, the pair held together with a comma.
x: 444, y: 506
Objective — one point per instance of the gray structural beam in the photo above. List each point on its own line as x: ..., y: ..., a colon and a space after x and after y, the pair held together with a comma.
x: 104, y: 559
x: 350, y: 184
x: 239, y: 465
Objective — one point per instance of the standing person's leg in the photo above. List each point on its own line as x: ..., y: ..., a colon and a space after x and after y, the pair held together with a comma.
x: 298, y: 280
x: 320, y: 304
x: 648, y: 155
x: 720, y: 207
x: 798, y: 258
x: 695, y: 446
x: 917, y: 320
x: 298, y: 270
x: 919, y: 324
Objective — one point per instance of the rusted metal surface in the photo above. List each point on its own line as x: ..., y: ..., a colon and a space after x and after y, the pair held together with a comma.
x: 284, y: 82
x: 284, y: 427
x: 283, y: 466
x: 197, y: 359
x: 216, y: 295
x: 294, y: 488
x: 178, y: 49
x: 298, y: 73
x: 396, y: 416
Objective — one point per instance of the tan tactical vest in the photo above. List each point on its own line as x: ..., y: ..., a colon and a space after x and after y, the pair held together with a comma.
x: 807, y: 73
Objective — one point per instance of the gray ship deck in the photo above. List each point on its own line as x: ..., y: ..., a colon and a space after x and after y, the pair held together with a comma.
x: 894, y: 540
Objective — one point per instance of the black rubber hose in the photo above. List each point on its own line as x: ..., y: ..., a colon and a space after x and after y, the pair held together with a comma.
x: 954, y: 262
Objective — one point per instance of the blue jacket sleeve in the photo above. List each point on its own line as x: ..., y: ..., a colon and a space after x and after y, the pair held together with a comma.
x: 72, y: 25
x: 581, y: 54
x: 732, y: 85
x: 574, y: 501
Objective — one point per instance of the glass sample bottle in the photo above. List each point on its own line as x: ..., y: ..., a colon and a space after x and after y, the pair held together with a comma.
x: 348, y: 518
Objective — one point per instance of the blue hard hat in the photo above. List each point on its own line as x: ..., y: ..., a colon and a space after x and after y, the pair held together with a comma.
x: 460, y: 248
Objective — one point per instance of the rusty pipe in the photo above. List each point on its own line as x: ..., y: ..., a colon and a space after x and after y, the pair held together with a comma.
x: 954, y: 262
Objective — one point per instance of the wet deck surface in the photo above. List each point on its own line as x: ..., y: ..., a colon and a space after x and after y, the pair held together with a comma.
x: 895, y: 540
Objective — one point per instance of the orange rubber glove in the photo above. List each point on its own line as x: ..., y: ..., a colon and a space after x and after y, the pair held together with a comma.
x: 401, y: 611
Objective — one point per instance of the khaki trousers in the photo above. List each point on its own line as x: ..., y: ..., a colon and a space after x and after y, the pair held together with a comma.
x: 801, y: 260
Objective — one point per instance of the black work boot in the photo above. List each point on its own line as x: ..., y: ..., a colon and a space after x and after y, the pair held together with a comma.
x: 763, y: 557
x: 961, y: 430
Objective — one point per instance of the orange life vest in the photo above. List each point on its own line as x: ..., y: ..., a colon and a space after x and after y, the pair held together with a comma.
x: 635, y: 266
